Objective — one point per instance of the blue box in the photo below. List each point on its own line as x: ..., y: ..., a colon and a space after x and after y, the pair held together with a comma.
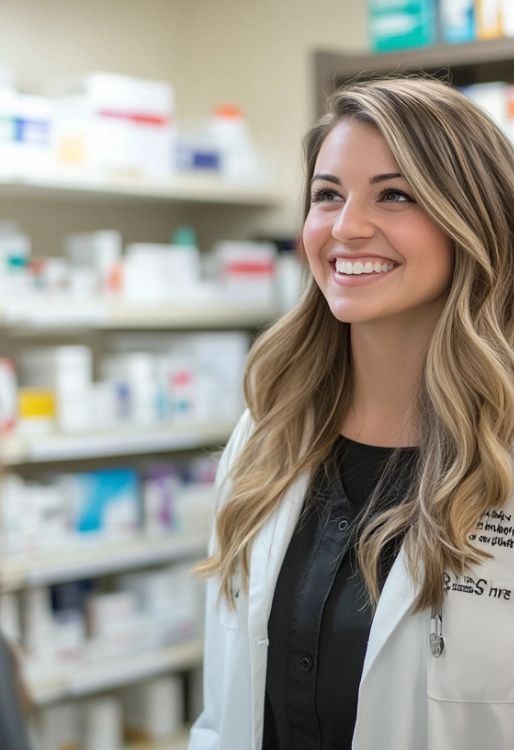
x: 106, y: 502
x: 458, y: 21
x: 402, y: 24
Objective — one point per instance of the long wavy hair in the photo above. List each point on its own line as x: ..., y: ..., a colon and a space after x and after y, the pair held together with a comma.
x: 298, y: 382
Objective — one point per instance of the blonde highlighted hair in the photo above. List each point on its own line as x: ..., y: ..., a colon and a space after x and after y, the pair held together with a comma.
x: 298, y: 382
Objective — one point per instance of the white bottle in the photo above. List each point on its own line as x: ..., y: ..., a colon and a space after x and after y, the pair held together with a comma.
x: 239, y: 158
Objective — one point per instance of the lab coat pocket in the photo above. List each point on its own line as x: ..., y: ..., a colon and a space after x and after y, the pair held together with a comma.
x: 477, y: 663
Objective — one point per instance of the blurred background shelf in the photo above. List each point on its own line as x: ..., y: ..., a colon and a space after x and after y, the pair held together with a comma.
x: 224, y: 314
x: 95, y: 677
x: 179, y: 189
x: 130, y: 440
x: 43, y: 316
x: 463, y: 64
x: 93, y: 559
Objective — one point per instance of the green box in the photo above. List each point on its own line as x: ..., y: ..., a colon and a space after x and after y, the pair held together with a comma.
x: 402, y: 24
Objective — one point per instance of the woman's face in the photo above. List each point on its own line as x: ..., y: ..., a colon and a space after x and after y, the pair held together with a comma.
x: 373, y: 251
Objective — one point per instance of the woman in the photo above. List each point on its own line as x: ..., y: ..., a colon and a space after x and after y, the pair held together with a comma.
x: 362, y: 570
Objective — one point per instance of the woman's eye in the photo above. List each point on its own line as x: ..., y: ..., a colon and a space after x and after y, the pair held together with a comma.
x: 393, y: 195
x: 324, y: 195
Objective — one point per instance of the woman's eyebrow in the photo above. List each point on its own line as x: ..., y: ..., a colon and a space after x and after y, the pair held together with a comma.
x: 386, y: 176
x: 377, y: 178
x: 326, y: 178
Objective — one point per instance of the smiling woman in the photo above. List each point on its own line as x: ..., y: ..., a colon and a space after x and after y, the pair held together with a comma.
x: 361, y: 537
x: 362, y: 214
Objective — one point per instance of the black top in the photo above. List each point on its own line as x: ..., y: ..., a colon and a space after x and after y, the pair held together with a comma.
x: 320, y: 619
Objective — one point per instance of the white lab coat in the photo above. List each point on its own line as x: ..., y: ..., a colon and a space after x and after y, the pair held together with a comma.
x: 408, y: 699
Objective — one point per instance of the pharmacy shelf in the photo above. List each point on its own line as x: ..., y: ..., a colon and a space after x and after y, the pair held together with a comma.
x: 464, y: 64
x: 87, y: 560
x: 180, y: 188
x: 129, y: 440
x: 33, y: 315
x: 88, y: 678
x: 238, y: 314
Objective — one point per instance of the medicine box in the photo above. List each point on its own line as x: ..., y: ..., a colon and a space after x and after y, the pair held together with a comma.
x: 105, y: 502
x: 457, y: 21
x: 401, y: 24
x: 495, y: 18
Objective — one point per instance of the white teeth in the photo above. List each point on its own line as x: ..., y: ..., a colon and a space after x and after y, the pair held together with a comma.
x: 348, y: 268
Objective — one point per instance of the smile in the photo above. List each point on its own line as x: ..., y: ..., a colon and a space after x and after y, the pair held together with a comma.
x: 356, y: 268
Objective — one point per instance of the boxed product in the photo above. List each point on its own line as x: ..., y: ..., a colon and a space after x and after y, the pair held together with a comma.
x: 135, y: 377
x: 246, y: 270
x: 170, y: 600
x: 458, y: 21
x: 99, y: 251
x: 104, y: 502
x: 493, y: 98
x: 220, y: 359
x: 401, y: 24
x: 26, y: 124
x: 158, y: 273
x: 115, y: 125
x: 8, y: 396
x: 495, y: 18
x: 68, y: 372
x: 116, y: 625
x: 18, y: 522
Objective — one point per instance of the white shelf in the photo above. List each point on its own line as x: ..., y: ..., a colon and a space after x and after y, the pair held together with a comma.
x: 130, y: 440
x: 37, y: 313
x: 93, y: 559
x: 242, y: 314
x: 180, y: 188
x: 94, y: 677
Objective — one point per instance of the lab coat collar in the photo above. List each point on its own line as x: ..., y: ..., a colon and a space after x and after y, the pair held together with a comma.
x: 267, y: 555
x: 396, y: 600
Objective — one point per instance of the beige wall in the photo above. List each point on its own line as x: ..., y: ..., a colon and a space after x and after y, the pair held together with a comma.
x: 252, y: 52
x: 258, y: 53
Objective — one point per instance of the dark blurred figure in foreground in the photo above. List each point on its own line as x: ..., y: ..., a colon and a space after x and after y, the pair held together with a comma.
x: 13, y: 702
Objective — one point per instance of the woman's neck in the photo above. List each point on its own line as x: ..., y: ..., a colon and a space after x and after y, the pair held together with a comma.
x: 387, y: 365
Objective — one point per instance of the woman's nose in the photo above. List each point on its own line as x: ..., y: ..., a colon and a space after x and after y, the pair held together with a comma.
x: 352, y: 222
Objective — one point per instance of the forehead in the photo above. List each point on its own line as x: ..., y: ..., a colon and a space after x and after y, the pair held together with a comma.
x: 355, y: 145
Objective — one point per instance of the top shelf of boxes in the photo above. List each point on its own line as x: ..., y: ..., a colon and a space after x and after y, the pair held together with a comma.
x: 466, y: 54
x: 110, y: 136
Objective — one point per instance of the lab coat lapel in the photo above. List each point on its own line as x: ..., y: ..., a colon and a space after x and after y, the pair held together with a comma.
x: 267, y: 555
x: 268, y: 551
x: 397, y: 597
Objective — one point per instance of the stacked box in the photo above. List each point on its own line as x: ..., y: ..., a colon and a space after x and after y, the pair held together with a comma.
x: 401, y: 24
